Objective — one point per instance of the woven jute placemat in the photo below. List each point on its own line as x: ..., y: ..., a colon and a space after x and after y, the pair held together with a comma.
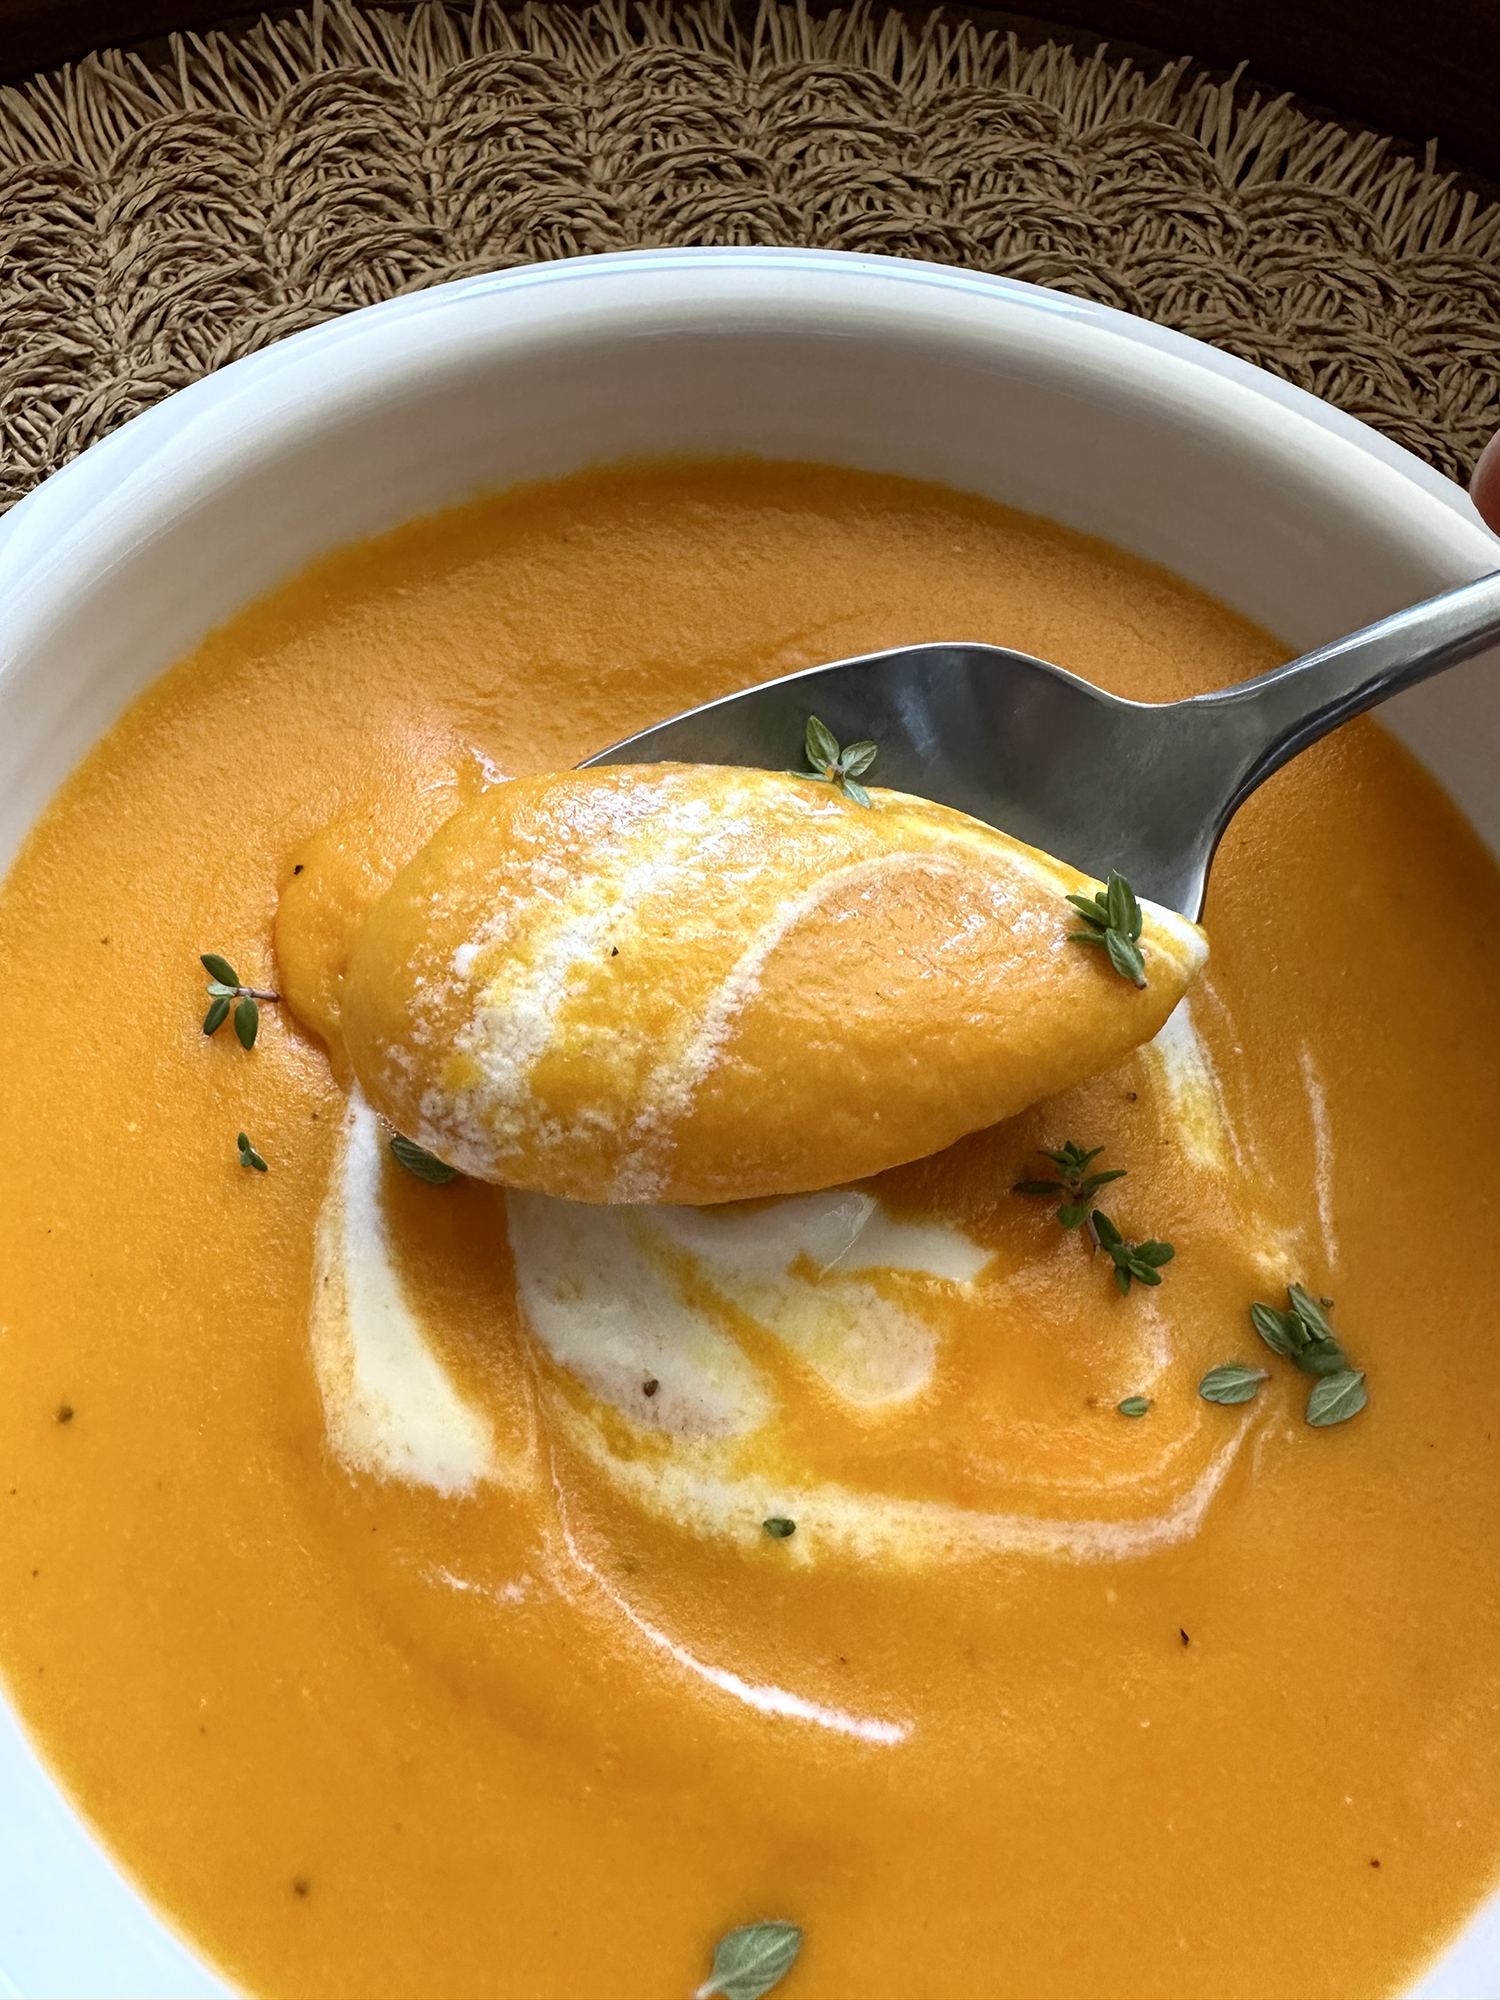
x: 156, y: 222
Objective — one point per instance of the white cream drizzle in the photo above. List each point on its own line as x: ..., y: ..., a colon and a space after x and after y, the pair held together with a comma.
x: 607, y: 1311
x: 1317, y: 1107
x: 762, y: 1696
x: 603, y: 1290
x: 389, y: 1405
x: 868, y: 1347
x: 1193, y: 1092
x: 1206, y: 1133
x: 516, y: 1012
x: 876, y: 1527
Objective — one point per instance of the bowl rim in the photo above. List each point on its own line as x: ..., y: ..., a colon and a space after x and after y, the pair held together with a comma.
x: 97, y: 471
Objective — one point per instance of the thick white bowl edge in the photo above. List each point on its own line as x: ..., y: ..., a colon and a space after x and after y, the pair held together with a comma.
x: 1296, y: 515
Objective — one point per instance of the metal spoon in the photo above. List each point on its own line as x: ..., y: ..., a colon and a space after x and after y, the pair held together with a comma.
x: 1144, y: 787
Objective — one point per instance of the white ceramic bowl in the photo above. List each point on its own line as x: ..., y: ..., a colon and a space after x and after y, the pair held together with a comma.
x: 1296, y: 515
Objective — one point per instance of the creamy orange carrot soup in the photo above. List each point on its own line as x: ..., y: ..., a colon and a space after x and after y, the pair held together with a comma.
x: 691, y: 1361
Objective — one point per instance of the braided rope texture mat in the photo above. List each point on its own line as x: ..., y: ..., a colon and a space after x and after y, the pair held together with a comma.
x: 156, y: 223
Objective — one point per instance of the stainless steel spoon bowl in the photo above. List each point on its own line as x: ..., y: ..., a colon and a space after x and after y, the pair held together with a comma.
x: 1144, y: 787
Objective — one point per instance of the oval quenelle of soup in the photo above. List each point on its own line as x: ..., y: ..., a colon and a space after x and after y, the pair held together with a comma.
x: 690, y: 983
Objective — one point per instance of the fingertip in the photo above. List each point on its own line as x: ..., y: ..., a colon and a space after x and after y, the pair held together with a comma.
x: 1484, y: 487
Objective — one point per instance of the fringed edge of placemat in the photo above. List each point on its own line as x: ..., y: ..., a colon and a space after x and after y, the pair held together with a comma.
x: 91, y: 108
x: 1328, y: 254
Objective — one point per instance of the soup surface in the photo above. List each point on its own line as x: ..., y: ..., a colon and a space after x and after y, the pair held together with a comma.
x: 428, y: 1594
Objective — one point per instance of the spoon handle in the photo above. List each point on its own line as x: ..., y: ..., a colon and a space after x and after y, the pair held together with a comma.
x: 1266, y: 721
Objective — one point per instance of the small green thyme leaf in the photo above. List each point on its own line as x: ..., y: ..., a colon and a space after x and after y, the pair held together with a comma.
x: 1280, y: 1331
x: 220, y: 969
x: 1233, y: 1383
x: 1337, y: 1398
x: 417, y: 1160
x: 220, y: 991
x: 247, y: 1023
x: 1311, y: 1314
x: 1113, y: 916
x: 832, y: 766
x: 217, y: 1015
x: 779, y: 1527
x: 821, y: 745
x: 751, y: 1960
x: 1073, y: 1214
x: 1134, y: 1406
x: 1125, y: 957
x: 248, y: 1155
x: 1109, y: 1237
x: 1088, y: 907
x: 1152, y: 1252
x: 1322, y: 1357
x: 1121, y: 907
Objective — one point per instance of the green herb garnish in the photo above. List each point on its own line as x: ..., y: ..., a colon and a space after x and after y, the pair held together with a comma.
x: 751, y: 1960
x: 1336, y: 1398
x: 1075, y: 1183
x: 1133, y: 1262
x: 1137, y: 1263
x: 1134, y: 1406
x: 833, y: 766
x: 779, y: 1527
x: 248, y: 1155
x: 225, y: 991
x: 1233, y: 1383
x: 1113, y: 917
x: 1303, y: 1335
x: 417, y: 1160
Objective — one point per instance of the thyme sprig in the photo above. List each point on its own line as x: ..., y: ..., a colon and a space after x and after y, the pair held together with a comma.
x: 1135, y: 1263
x: 1113, y: 917
x: 832, y: 766
x: 248, y: 1155
x: 1303, y: 1335
x: 226, y: 992
x: 1075, y: 1183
